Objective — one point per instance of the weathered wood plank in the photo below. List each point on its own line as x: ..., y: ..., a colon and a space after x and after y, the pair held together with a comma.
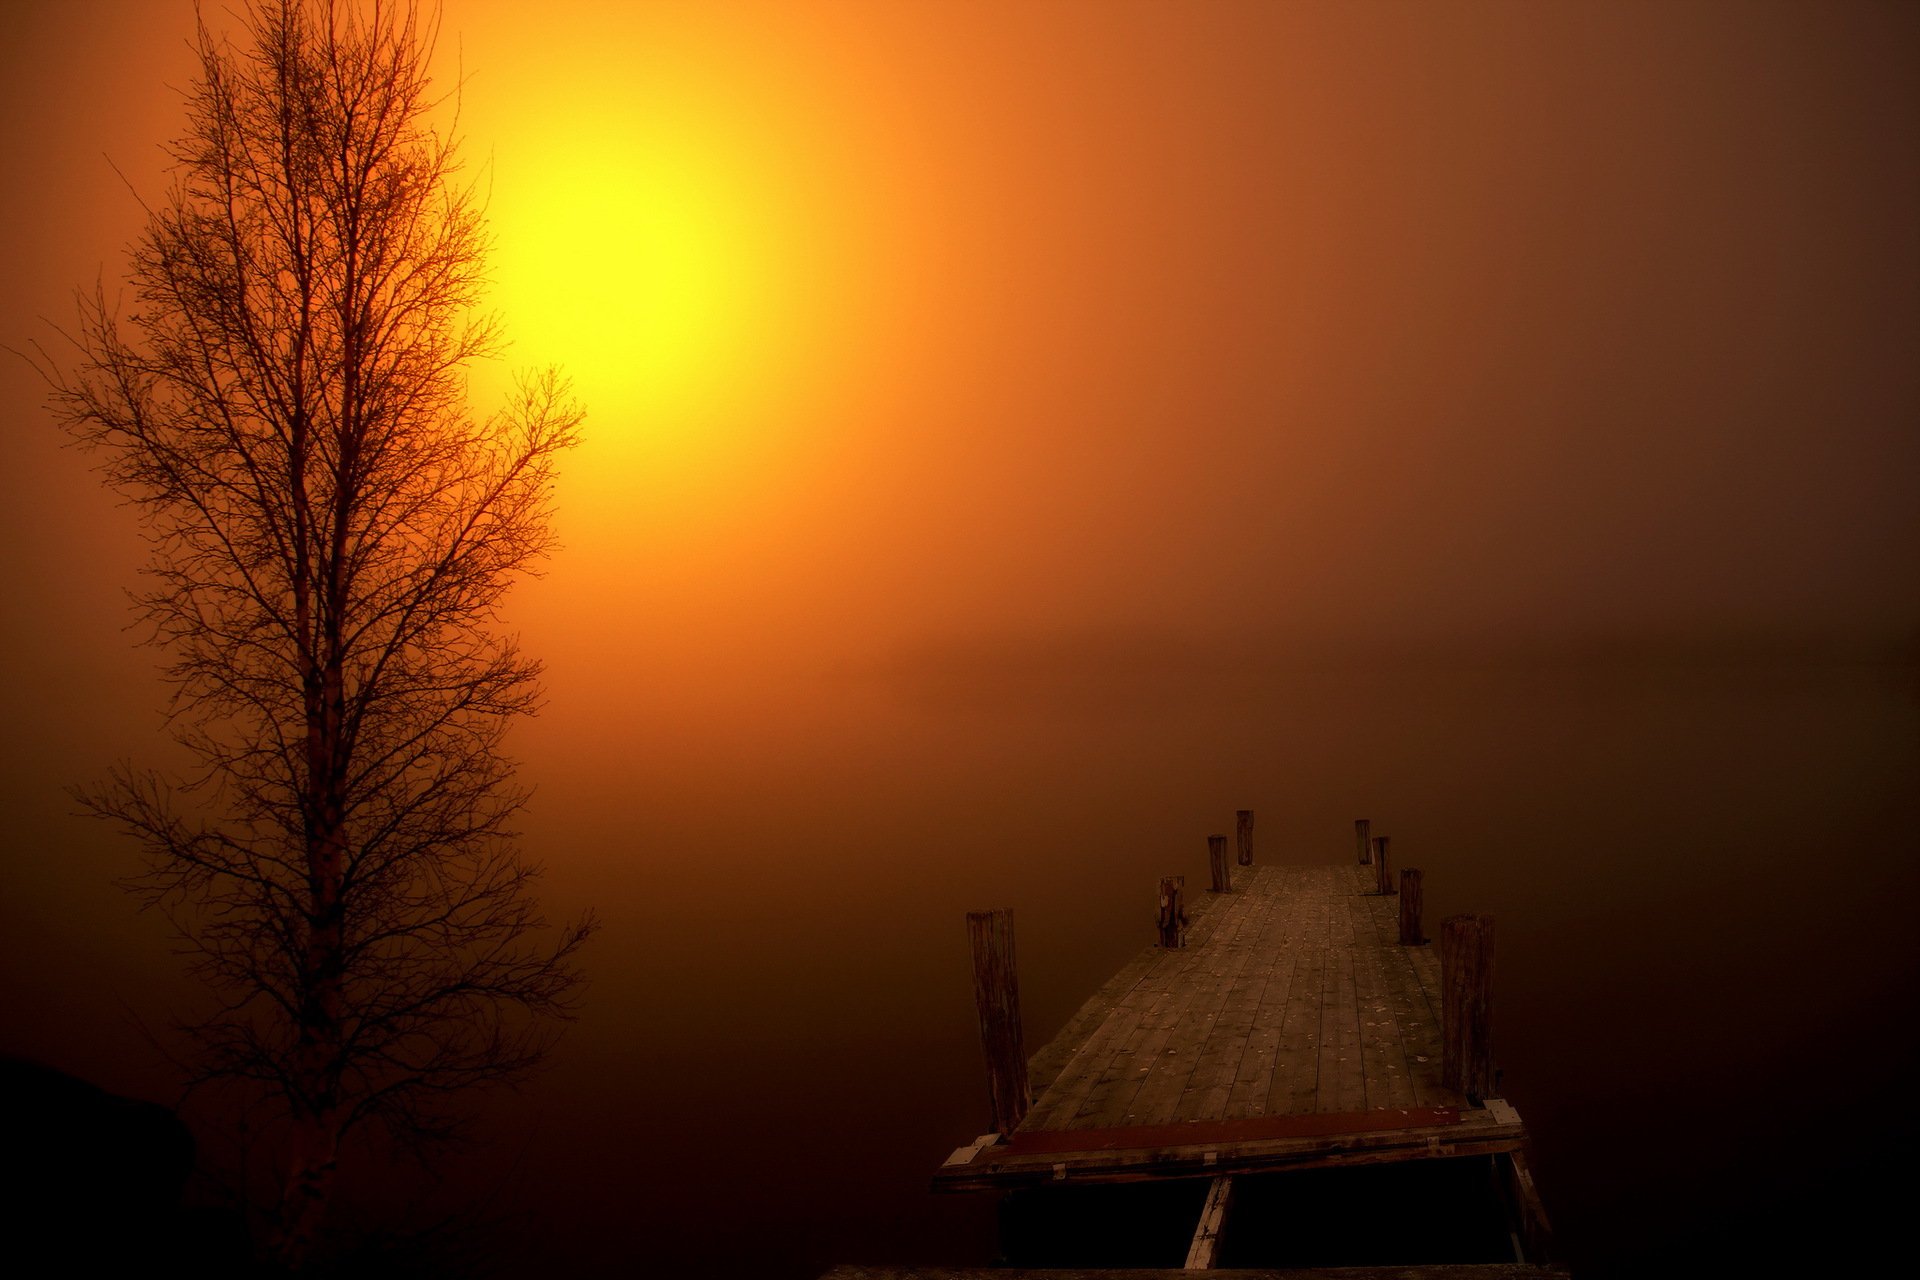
x: 1536, y: 1233
x: 1472, y: 1135
x: 1098, y: 1067
x: 1343, y: 1081
x: 1133, y: 1060
x: 1206, y: 1234
x: 1415, y: 1020
x: 1253, y: 1075
x: 1292, y: 996
x: 1388, y: 1080
x: 1295, y: 1085
x: 1210, y: 1086
x: 1209, y: 987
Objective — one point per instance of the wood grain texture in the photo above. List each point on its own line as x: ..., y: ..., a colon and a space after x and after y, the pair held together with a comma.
x: 996, y: 993
x: 1293, y: 996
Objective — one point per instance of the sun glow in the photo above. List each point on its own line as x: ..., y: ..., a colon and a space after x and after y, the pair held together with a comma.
x: 647, y: 264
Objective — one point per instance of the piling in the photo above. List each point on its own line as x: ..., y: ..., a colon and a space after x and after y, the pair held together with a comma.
x: 1410, y: 935
x: 1382, y: 873
x: 1173, y: 911
x: 1466, y: 985
x: 1243, y: 834
x: 1218, y: 864
x: 996, y: 993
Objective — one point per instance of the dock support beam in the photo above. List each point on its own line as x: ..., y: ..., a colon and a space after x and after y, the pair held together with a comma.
x: 1531, y: 1229
x: 1173, y: 911
x: 1361, y: 828
x: 1206, y: 1236
x: 996, y: 993
x: 1410, y: 935
x: 1218, y: 864
x: 1382, y: 874
x: 1243, y: 834
x: 1466, y: 1012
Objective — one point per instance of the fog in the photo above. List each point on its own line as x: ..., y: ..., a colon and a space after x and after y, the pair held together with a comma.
x: 1077, y: 422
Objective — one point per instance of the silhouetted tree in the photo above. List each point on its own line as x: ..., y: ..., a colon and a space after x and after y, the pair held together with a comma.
x: 332, y: 536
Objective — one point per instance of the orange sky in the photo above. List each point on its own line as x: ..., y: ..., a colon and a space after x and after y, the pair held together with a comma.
x: 938, y: 349
x: 1005, y: 388
x: 905, y: 323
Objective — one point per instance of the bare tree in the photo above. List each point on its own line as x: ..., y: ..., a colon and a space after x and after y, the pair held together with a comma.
x: 332, y: 536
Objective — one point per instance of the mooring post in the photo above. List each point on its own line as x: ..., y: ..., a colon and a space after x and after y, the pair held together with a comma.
x: 996, y: 993
x: 1173, y: 911
x: 1243, y: 834
x: 1466, y: 1013
x: 1217, y: 861
x: 1361, y: 826
x: 1410, y: 935
x: 1382, y: 873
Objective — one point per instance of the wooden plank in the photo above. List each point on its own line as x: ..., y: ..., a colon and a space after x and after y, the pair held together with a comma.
x: 1225, y: 957
x: 1417, y: 1021
x: 1099, y: 1069
x: 1113, y: 1093
x: 1253, y: 1075
x: 1200, y: 1133
x: 1343, y: 1082
x: 1045, y: 1066
x: 1210, y: 1085
x: 1386, y: 1078
x: 1206, y: 1234
x: 1293, y: 996
x: 1468, y: 1137
x: 1296, y: 1078
x: 1069, y: 1086
x: 1536, y: 1233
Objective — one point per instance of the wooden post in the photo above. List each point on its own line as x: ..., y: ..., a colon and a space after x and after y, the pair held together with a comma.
x: 1217, y: 861
x: 1173, y: 911
x: 1361, y: 826
x: 996, y: 993
x: 1382, y: 873
x: 1243, y: 834
x: 1466, y: 1004
x: 1410, y: 935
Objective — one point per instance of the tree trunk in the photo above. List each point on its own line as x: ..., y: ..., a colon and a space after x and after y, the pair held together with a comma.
x: 308, y: 1187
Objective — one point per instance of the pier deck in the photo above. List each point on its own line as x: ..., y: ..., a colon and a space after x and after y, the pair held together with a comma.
x: 1292, y: 1030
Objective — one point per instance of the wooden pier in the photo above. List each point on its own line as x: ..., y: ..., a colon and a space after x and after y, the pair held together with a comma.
x: 1291, y: 1018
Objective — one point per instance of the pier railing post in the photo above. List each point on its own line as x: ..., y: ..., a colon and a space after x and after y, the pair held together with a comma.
x: 1173, y: 911
x: 1361, y: 828
x: 1410, y: 935
x: 1217, y: 862
x: 1466, y: 1014
x: 1382, y: 872
x: 1243, y: 834
x: 996, y: 993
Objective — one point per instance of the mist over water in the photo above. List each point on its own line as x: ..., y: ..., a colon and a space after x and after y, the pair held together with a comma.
x: 1494, y: 420
x: 1694, y: 868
